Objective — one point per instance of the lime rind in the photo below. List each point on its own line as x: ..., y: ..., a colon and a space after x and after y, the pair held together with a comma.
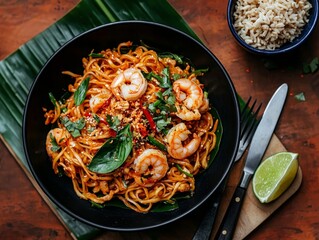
x: 274, y: 176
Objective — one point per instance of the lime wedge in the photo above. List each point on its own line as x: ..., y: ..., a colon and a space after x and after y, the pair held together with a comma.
x: 274, y: 175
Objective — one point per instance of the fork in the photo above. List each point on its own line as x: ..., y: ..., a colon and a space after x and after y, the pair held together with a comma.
x: 248, y: 125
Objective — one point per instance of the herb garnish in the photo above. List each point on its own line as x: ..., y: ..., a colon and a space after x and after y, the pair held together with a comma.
x: 73, y: 128
x: 52, y: 99
x: 96, y: 55
x: 300, y: 97
x: 311, y: 67
x: 156, y: 143
x: 165, y: 99
x: 113, y: 153
x: 80, y: 93
x: 182, y: 171
x: 55, y: 147
x: 113, y: 122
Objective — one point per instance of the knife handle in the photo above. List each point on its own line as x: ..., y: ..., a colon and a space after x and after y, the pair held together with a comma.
x: 227, y: 228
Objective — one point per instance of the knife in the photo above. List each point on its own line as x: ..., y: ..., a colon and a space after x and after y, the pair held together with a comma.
x: 256, y: 151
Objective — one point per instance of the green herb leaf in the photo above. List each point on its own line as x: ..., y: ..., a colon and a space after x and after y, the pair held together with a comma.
x: 113, y: 153
x: 113, y: 122
x: 162, y: 123
x: 314, y: 65
x: 311, y: 67
x: 73, y: 128
x: 200, y: 71
x: 55, y: 147
x: 218, y: 133
x: 182, y: 171
x: 156, y: 143
x: 96, y: 205
x: 52, y: 99
x: 96, y: 118
x: 163, y: 80
x: 300, y: 97
x: 80, y: 92
x: 178, y: 58
x: 96, y: 55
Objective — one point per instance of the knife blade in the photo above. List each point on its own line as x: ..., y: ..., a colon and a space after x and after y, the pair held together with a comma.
x: 256, y: 151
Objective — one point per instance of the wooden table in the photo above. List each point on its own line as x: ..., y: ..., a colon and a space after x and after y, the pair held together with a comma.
x: 24, y: 214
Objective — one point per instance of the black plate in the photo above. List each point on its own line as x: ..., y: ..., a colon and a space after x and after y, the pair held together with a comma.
x: 50, y: 79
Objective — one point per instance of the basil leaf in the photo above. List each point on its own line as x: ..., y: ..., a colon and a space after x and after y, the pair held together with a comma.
x: 113, y: 153
x: 80, y: 92
x: 113, y: 122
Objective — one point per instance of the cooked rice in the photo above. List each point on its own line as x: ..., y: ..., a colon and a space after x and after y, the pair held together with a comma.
x: 267, y: 24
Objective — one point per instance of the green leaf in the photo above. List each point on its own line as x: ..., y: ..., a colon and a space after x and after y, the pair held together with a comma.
x: 80, y: 92
x: 113, y: 153
x: 218, y: 133
x: 300, y: 97
x: 314, y: 65
x: 113, y: 122
x: 311, y: 67
x: 73, y: 127
x: 178, y: 58
x: 156, y: 143
x: 55, y: 147
x: 52, y: 99
x: 96, y: 55
x: 182, y: 171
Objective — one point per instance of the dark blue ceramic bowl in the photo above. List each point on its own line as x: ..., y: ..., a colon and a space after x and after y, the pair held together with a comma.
x: 285, y: 48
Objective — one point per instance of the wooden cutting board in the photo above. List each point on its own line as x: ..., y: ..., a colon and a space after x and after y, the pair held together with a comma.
x: 253, y: 212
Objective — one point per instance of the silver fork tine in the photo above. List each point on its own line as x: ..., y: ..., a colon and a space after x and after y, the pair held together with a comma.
x: 248, y: 123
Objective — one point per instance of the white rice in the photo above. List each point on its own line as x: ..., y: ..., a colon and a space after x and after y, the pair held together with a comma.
x: 267, y: 24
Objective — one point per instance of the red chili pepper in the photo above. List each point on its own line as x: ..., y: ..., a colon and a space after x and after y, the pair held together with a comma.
x: 87, y: 114
x: 143, y: 130
x: 149, y: 118
x: 112, y: 133
x: 107, y: 103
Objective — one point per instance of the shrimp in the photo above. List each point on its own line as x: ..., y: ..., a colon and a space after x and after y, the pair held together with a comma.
x: 98, y: 100
x: 175, y: 138
x: 189, y: 98
x: 205, y: 105
x: 151, y: 163
x: 186, y: 114
x: 60, y: 136
x: 129, y: 84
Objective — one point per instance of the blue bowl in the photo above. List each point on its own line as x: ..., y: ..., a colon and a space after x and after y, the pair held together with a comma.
x: 285, y: 48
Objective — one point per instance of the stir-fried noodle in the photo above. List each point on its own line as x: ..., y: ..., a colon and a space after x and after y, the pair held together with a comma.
x: 136, y: 127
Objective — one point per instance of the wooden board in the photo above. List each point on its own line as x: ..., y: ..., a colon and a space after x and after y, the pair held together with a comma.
x: 253, y: 212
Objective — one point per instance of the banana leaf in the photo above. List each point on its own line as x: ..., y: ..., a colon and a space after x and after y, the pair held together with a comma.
x: 18, y: 71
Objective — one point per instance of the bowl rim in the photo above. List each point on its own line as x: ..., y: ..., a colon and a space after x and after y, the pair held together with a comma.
x: 277, y: 51
x: 191, y: 209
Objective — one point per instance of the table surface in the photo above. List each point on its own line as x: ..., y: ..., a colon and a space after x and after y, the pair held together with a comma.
x: 24, y: 214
